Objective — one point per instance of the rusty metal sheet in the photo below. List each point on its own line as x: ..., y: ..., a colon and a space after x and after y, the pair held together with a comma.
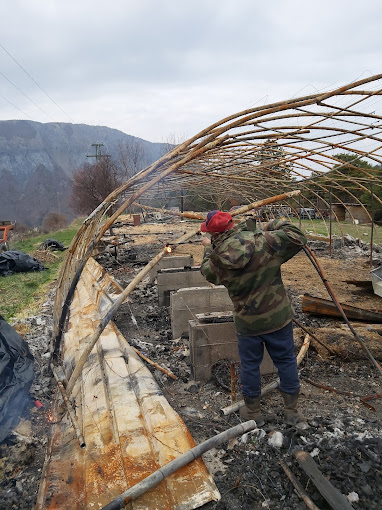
x: 129, y: 428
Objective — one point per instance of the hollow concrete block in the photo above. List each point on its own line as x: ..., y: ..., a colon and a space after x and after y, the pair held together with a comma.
x: 185, y: 303
x: 171, y: 262
x: 169, y: 280
x: 212, y: 342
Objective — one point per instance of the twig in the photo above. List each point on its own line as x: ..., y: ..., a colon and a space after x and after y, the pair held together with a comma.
x: 330, y: 388
x: 148, y: 360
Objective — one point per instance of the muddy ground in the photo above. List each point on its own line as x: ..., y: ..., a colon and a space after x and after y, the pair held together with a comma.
x: 344, y: 434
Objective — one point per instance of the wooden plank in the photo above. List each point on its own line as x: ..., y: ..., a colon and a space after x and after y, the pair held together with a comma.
x: 333, y: 496
x: 322, y: 306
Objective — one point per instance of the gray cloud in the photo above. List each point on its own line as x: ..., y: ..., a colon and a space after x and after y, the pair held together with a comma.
x: 155, y: 68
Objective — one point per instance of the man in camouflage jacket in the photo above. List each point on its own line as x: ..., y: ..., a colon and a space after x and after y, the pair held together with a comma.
x: 247, y: 260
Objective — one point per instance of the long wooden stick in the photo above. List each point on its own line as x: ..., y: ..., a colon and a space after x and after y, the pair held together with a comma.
x: 240, y: 210
x: 92, y: 340
x: 187, y: 457
x: 298, y: 323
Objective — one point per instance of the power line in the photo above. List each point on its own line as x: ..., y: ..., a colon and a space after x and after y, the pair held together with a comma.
x: 34, y: 81
x: 23, y: 93
x: 10, y: 102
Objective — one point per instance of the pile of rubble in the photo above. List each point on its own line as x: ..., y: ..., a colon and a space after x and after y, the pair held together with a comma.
x: 349, y: 247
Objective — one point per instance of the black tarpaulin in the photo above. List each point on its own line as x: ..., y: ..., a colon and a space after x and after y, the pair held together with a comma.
x: 53, y: 245
x: 16, y: 377
x: 18, y: 262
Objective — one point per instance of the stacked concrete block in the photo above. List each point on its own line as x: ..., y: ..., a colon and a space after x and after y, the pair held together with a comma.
x: 185, y: 303
x: 169, y: 280
x: 171, y: 262
x: 211, y: 342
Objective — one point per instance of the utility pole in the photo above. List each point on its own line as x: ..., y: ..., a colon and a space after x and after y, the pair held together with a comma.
x: 58, y: 202
x: 98, y: 155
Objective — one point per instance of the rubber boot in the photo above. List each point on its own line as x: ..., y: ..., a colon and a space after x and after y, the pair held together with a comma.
x: 251, y: 410
x: 291, y: 414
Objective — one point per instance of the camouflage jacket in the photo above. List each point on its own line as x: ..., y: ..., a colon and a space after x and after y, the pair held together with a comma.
x: 247, y: 261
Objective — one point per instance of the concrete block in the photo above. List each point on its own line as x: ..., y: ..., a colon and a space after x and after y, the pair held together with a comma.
x: 168, y: 262
x: 169, y: 280
x: 185, y: 303
x: 212, y: 342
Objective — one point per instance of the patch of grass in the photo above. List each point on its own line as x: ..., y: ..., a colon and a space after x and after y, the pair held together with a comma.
x: 362, y: 232
x: 22, y: 293
x: 32, y: 243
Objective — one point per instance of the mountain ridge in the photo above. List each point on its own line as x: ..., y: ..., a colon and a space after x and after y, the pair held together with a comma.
x: 37, y: 161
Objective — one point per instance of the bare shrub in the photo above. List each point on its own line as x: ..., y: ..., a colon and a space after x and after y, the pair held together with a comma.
x: 54, y: 221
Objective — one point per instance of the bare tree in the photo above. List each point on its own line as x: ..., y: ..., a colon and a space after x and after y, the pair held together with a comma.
x: 170, y: 142
x: 91, y: 184
x: 132, y: 157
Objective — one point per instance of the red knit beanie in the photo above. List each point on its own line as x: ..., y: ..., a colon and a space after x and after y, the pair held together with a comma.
x: 216, y: 222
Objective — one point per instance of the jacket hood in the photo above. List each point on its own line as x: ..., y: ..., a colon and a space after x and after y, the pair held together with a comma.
x: 232, y: 249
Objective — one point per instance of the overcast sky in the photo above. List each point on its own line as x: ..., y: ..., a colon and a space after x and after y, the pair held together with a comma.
x: 163, y: 70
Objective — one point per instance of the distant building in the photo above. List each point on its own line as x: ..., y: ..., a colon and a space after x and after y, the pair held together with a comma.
x: 351, y: 213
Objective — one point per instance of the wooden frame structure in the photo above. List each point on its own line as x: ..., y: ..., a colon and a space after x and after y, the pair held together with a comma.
x: 239, y: 153
x: 283, y: 148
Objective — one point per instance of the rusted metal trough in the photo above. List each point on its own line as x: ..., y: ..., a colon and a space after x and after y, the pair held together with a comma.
x: 129, y: 428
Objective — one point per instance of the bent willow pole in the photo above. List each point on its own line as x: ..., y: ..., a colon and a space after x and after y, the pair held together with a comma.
x: 327, y: 145
x: 240, y: 210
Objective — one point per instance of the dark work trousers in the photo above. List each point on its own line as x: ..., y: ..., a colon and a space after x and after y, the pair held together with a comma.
x: 280, y: 346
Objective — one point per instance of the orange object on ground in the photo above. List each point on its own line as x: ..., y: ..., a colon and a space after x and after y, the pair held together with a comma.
x: 5, y: 227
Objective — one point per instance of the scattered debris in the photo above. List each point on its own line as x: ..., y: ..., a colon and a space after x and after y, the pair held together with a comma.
x: 52, y: 245
x: 276, y: 439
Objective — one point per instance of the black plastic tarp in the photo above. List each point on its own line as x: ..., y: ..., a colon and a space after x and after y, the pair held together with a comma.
x: 18, y: 262
x: 16, y: 377
x: 53, y: 245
